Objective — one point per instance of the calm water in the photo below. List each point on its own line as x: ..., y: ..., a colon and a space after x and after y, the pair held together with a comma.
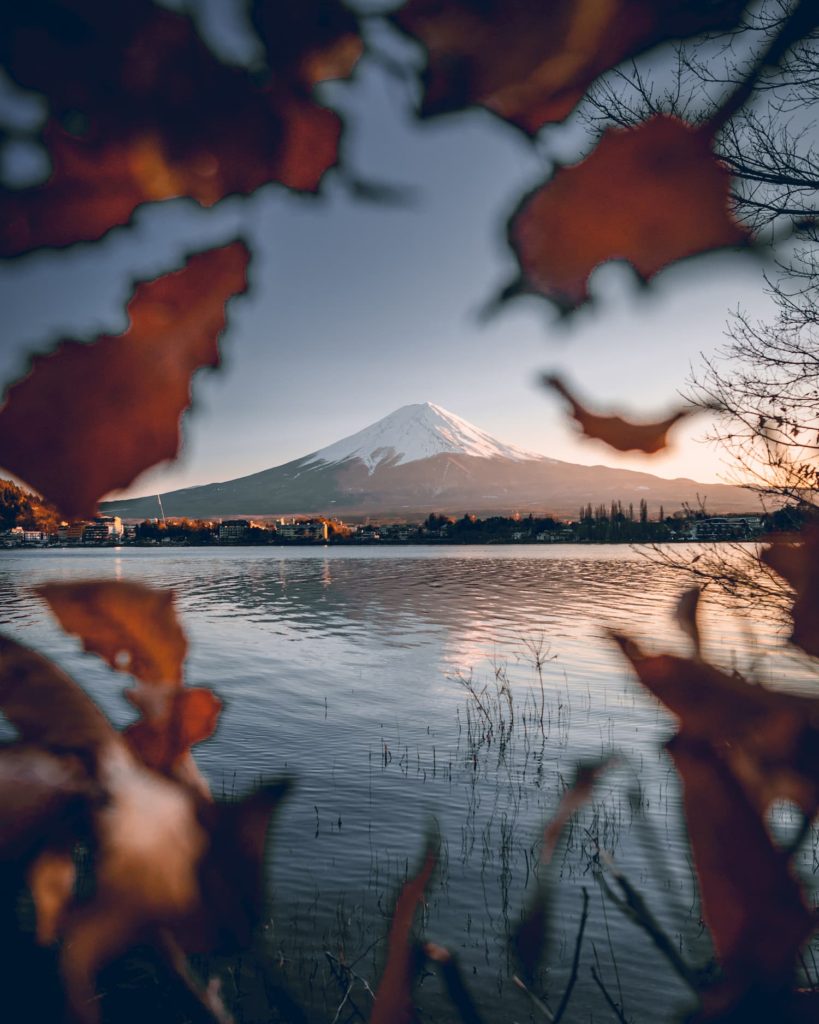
x: 346, y: 669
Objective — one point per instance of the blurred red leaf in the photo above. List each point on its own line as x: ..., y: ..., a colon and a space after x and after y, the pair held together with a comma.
x: 135, y: 629
x: 39, y: 792
x: 796, y: 559
x: 88, y: 418
x: 166, y: 860
x: 393, y: 999
x: 46, y: 707
x: 51, y: 878
x: 739, y: 747
x: 169, y: 866
x: 769, y: 739
x: 232, y: 871
x: 752, y: 904
x: 651, y: 195
x: 531, y: 62
x: 616, y: 432
x: 173, y: 722
x: 130, y: 625
x: 309, y: 42
x: 142, y: 111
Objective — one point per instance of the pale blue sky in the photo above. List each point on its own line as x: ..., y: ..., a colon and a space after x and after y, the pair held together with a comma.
x: 357, y: 308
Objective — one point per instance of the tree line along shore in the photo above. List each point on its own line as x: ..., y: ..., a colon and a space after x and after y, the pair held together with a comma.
x: 27, y: 522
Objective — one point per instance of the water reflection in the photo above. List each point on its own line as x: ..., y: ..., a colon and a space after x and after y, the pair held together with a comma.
x: 339, y: 667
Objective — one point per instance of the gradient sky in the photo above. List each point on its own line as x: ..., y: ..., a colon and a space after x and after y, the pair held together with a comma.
x: 357, y: 307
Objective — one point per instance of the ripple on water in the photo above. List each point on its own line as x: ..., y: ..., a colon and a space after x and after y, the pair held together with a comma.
x: 346, y: 669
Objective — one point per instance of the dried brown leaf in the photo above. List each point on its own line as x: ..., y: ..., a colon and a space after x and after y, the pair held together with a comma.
x: 51, y: 878
x: 753, y: 905
x: 311, y: 41
x: 393, y: 998
x: 651, y: 194
x: 232, y: 872
x: 57, y: 424
x: 143, y: 111
x: 40, y: 793
x: 135, y: 629
x: 796, y: 559
x: 47, y: 707
x: 165, y: 857
x: 192, y: 871
x: 531, y: 62
x: 132, y: 626
x: 769, y: 738
x: 615, y: 431
x: 173, y: 722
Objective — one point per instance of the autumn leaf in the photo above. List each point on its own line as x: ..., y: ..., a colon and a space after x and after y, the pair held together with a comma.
x: 796, y: 560
x: 167, y: 861
x: 531, y: 62
x: 45, y: 806
x: 190, y: 871
x: 615, y: 431
x: 173, y: 721
x: 311, y: 41
x: 739, y: 747
x: 393, y: 998
x: 39, y: 792
x: 141, y: 111
x: 88, y: 418
x: 232, y: 871
x: 134, y: 628
x: 650, y: 194
x: 130, y: 625
x: 752, y: 904
x: 52, y: 877
x: 769, y: 738
x: 47, y: 708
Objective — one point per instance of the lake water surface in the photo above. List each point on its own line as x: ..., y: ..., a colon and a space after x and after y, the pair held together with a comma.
x: 349, y: 669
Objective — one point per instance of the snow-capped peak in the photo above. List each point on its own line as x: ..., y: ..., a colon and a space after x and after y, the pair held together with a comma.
x: 417, y: 432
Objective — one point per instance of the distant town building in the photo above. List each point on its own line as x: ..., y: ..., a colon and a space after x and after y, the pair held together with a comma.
x: 724, y: 528
x: 103, y: 530
x: 368, y: 533
x: 302, y: 530
x: 71, y: 533
x: 233, y: 531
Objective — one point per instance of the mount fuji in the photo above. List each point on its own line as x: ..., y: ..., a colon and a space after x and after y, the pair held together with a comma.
x: 419, y: 459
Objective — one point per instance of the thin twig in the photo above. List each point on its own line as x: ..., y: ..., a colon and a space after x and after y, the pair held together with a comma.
x: 634, y: 907
x: 607, y: 996
x: 537, y: 1003
x: 455, y: 985
x: 342, y: 973
x: 348, y: 968
x: 567, y: 993
x: 800, y: 22
x: 343, y: 1001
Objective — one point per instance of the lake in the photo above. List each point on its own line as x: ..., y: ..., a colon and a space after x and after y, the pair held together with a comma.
x: 363, y: 673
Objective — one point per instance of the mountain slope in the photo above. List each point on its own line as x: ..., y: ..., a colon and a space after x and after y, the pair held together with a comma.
x: 420, y: 459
